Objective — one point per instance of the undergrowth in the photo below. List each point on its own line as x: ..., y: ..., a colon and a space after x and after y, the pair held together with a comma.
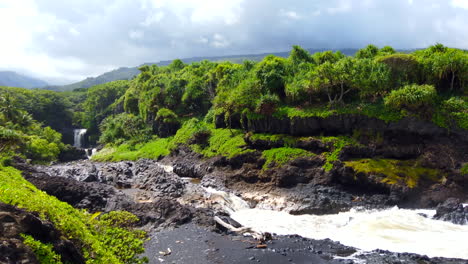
x: 44, y: 253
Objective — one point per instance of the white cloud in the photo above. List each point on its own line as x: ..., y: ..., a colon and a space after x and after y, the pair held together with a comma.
x: 219, y: 41
x: 68, y: 40
x: 460, y: 3
x: 289, y: 14
x: 342, y: 6
x: 202, y: 40
x: 153, y: 18
x: 74, y: 32
x: 136, y: 34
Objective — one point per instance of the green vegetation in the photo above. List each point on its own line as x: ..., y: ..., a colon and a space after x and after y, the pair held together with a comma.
x: 395, y: 171
x: 101, y: 102
x: 285, y: 140
x: 224, y: 142
x: 105, y: 239
x: 45, y: 253
x: 21, y: 135
x: 379, y: 83
x: 464, y: 169
x: 414, y: 98
x: 201, y: 137
x: 280, y: 156
x: 153, y: 149
x: 338, y: 144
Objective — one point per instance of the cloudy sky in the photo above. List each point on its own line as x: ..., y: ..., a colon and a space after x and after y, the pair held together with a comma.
x: 62, y: 41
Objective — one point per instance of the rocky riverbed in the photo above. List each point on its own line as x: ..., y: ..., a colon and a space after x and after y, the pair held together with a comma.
x: 171, y: 199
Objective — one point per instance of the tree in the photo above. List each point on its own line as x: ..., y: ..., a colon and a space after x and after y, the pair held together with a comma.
x: 335, y: 79
x: 299, y: 55
x: 327, y: 56
x: 370, y: 77
x: 271, y: 73
x: 404, y: 69
x: 451, y: 64
x: 368, y: 52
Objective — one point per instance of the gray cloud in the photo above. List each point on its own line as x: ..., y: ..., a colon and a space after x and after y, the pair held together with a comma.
x: 94, y: 36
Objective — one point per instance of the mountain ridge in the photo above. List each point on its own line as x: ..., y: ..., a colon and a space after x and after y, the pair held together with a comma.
x: 14, y: 79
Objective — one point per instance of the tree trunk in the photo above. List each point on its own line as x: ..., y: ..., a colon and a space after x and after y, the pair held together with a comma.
x: 453, y: 81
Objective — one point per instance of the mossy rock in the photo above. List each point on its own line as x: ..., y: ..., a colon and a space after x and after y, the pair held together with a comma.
x: 396, y: 171
x: 281, y: 156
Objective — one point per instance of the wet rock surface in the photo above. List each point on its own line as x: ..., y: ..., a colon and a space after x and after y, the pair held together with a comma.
x: 453, y: 211
x: 143, y: 174
x: 156, y: 211
x: 14, y: 221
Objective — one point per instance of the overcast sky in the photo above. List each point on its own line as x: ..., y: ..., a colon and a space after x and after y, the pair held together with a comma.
x: 62, y: 41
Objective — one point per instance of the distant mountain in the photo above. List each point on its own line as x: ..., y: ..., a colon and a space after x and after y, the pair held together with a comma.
x: 13, y: 79
x: 129, y: 73
x: 123, y: 73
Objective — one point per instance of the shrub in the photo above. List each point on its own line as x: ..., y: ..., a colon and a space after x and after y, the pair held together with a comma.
x: 166, y: 116
x: 455, y: 104
x: 267, y: 103
x: 122, y: 127
x: 41, y: 150
x: 414, y: 98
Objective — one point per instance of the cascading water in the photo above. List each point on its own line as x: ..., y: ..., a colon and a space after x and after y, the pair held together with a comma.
x: 90, y: 152
x: 79, y: 137
x: 394, y: 229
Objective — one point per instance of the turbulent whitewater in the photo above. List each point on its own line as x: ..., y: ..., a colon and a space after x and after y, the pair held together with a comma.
x: 394, y: 229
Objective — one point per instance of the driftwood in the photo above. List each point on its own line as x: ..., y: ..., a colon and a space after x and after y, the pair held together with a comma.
x: 262, y: 237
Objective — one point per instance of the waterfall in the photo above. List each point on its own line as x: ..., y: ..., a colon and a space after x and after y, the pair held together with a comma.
x: 79, y: 137
x: 90, y: 152
x: 393, y: 229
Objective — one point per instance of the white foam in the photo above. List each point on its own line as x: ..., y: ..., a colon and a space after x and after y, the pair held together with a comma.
x: 397, y: 230
x: 394, y: 229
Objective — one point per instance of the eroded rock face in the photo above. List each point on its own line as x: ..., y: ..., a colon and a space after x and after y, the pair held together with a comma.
x: 143, y: 174
x: 453, y: 211
x: 156, y: 212
x: 14, y: 221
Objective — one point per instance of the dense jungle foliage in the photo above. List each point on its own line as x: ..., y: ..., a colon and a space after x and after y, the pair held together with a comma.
x: 429, y: 84
x: 205, y: 105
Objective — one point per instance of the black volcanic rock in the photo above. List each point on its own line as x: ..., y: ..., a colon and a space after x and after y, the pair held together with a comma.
x: 452, y: 211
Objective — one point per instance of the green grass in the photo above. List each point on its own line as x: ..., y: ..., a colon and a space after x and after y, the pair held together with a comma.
x: 76, y: 225
x: 286, y: 140
x: 151, y: 150
x: 281, y: 156
x: 395, y: 171
x: 224, y: 142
